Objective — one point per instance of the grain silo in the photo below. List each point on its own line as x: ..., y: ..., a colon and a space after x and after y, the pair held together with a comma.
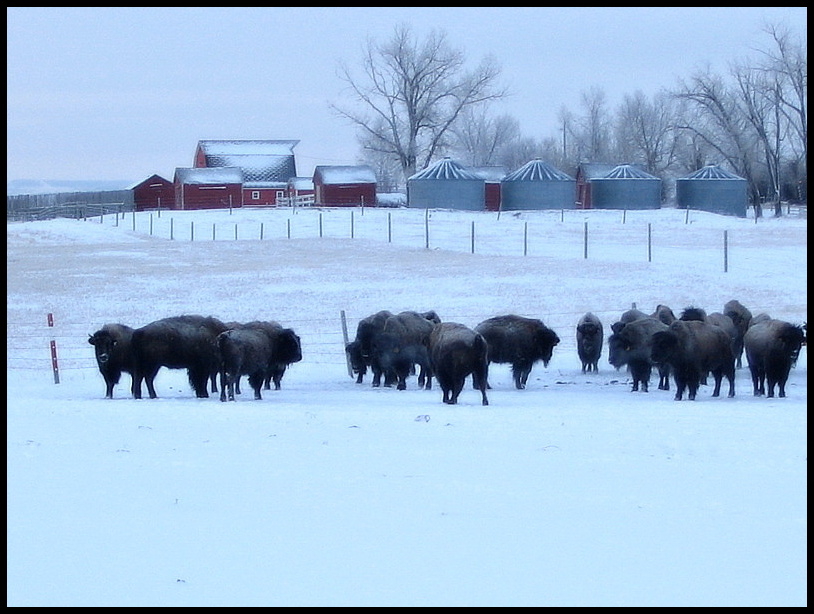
x: 446, y: 185
x: 537, y: 185
x: 626, y: 187
x: 713, y: 189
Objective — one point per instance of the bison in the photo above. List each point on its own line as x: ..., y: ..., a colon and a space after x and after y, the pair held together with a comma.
x: 181, y: 342
x: 665, y: 314
x: 631, y: 346
x: 286, y: 350
x: 741, y: 317
x: 457, y: 351
x: 243, y: 351
x: 359, y: 350
x: 400, y: 345
x: 772, y: 348
x: 694, y: 348
x: 114, y: 355
x: 631, y: 315
x: 589, y: 342
x: 519, y: 341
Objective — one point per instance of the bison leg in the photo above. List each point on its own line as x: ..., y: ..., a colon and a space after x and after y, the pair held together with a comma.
x: 256, y: 382
x: 718, y: 376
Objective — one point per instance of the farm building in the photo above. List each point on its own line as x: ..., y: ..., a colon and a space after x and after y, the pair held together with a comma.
x: 208, y: 188
x: 625, y: 187
x: 492, y: 176
x: 344, y: 186
x: 267, y: 166
x: 300, y: 191
x: 155, y: 192
x: 713, y: 189
x: 446, y: 185
x: 587, y: 172
x: 537, y: 185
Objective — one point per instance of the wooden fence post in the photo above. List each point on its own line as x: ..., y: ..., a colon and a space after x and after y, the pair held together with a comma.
x: 345, y: 337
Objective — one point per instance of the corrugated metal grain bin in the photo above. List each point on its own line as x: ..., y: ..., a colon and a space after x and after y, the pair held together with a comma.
x: 713, y: 189
x: 537, y: 185
x: 626, y: 187
x: 446, y: 185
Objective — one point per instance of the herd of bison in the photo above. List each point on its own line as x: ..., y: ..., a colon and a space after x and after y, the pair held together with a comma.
x: 687, y: 348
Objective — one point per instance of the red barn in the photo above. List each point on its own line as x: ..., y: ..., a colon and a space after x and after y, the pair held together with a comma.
x: 208, y: 188
x: 267, y: 166
x: 344, y: 186
x: 155, y: 192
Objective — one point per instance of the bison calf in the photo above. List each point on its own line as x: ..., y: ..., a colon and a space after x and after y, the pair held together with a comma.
x: 519, y: 341
x: 772, y: 348
x: 114, y: 355
x: 456, y: 351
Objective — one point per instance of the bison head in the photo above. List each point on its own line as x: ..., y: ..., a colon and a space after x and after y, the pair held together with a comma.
x: 104, y: 344
x: 546, y: 340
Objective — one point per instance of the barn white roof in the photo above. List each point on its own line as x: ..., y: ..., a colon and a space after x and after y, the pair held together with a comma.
x: 247, y: 147
x: 209, y: 176
x: 345, y: 174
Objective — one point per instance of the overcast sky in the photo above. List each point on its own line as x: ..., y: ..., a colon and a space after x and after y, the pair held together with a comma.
x: 122, y: 93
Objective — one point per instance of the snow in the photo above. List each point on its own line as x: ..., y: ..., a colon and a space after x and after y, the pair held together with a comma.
x: 572, y: 492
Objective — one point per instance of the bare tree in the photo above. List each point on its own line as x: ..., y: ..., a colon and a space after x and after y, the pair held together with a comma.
x: 481, y: 137
x: 410, y: 94
x: 645, y: 133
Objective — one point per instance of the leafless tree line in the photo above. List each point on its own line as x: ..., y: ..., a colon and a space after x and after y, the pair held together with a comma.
x: 414, y: 101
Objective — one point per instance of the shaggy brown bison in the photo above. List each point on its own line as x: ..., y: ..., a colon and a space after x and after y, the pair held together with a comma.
x: 360, y: 349
x: 631, y: 346
x: 631, y: 315
x: 664, y: 313
x: 400, y: 345
x: 694, y: 348
x: 243, y: 351
x: 457, y: 351
x: 589, y: 342
x: 519, y: 341
x: 741, y: 318
x: 286, y: 350
x: 772, y: 348
x: 114, y: 355
x: 181, y: 342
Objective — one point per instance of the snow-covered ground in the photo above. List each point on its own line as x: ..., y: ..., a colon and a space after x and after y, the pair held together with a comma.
x: 575, y: 491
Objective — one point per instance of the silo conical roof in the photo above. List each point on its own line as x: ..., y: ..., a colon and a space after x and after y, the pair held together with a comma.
x: 445, y: 168
x: 712, y: 171
x: 537, y: 170
x: 628, y: 171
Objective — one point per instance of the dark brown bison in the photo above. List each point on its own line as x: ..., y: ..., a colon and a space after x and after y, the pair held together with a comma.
x: 631, y: 315
x: 519, y: 341
x: 243, y: 351
x: 182, y: 342
x: 589, y: 342
x: 694, y: 348
x: 631, y: 346
x: 772, y: 348
x: 741, y: 318
x: 114, y: 355
x: 401, y: 344
x: 457, y: 351
x: 286, y: 350
x: 665, y: 314
x: 359, y: 350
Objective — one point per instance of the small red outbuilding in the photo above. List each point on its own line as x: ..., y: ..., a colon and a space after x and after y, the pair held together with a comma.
x: 155, y: 192
x: 208, y: 188
x: 344, y: 186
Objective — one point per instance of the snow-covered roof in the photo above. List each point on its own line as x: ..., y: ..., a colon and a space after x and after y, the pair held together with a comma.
x: 301, y: 183
x: 537, y: 170
x: 247, y: 147
x: 445, y: 168
x: 345, y: 174
x: 628, y: 171
x: 257, y: 168
x: 712, y: 171
x: 207, y: 176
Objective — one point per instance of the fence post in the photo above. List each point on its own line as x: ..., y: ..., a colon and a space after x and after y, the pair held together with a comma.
x: 213, y: 231
x: 151, y: 224
x: 726, y: 251
x: 288, y: 227
x: 426, y: 228
x: 351, y: 218
x: 235, y: 231
x: 472, y: 237
x: 649, y: 245
x: 585, y: 242
x: 54, y: 362
x: 525, y: 238
x: 261, y: 231
x: 389, y: 228
x: 345, y: 337
x: 192, y: 230
x: 320, y: 225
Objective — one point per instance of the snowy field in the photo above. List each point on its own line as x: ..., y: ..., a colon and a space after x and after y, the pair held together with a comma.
x: 572, y: 492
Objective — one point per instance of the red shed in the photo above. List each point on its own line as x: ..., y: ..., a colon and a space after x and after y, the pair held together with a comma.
x: 492, y: 175
x: 344, y: 186
x: 208, y: 188
x: 155, y: 192
x: 586, y: 172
